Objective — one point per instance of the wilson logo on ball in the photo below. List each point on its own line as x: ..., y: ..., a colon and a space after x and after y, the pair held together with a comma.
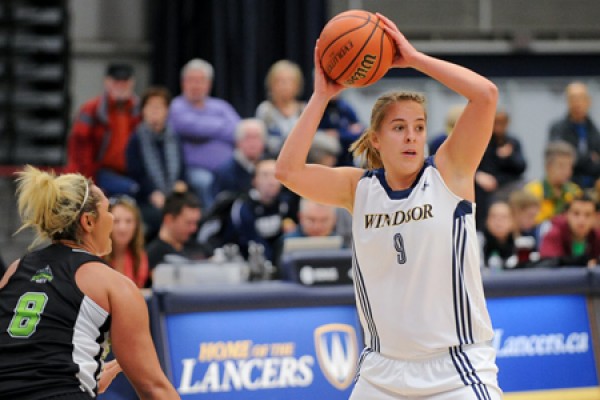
x: 362, y: 71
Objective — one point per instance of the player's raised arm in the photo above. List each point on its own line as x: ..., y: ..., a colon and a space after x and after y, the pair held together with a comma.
x: 317, y: 182
x: 461, y: 153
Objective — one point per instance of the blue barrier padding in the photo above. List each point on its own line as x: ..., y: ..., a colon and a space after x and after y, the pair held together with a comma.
x: 538, y: 281
x: 594, y: 274
x: 257, y: 295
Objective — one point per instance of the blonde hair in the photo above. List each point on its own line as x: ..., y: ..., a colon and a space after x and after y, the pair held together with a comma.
x: 51, y: 205
x: 452, y: 116
x: 283, y: 65
x: 363, y: 148
x: 136, y: 245
x: 522, y: 199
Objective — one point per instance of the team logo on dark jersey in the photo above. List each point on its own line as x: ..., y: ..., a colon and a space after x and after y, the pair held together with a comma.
x: 337, y: 351
x: 43, y: 275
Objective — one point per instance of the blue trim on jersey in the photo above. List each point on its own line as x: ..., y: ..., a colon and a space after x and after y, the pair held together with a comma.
x: 463, y: 208
x: 462, y: 308
x: 467, y: 373
x: 363, y: 299
x: 399, y: 194
x: 366, y: 351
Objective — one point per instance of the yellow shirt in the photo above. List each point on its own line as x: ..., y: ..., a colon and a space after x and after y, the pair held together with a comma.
x: 551, y: 204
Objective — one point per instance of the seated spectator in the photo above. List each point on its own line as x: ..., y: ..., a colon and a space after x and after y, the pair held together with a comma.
x: 451, y: 117
x: 500, y: 169
x: 324, y: 150
x: 578, y: 129
x: 154, y: 159
x: 314, y: 220
x: 235, y: 175
x: 340, y: 122
x: 525, y: 208
x: 259, y: 218
x: 555, y: 190
x: 573, y: 240
x: 497, y: 238
x: 98, y: 140
x: 205, y: 126
x: 281, y: 110
x: 128, y: 255
x: 181, y: 214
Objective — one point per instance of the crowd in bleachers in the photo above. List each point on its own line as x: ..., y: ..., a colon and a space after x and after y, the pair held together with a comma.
x: 188, y: 176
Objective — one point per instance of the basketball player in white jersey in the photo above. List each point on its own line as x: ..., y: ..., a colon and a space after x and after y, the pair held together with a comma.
x: 416, y: 263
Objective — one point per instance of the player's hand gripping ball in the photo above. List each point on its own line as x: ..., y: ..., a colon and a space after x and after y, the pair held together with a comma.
x: 354, y: 49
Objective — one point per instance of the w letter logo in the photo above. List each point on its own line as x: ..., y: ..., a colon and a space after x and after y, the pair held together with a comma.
x: 337, y: 352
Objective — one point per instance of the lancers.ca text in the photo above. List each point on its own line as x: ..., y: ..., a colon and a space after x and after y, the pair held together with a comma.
x: 243, y: 365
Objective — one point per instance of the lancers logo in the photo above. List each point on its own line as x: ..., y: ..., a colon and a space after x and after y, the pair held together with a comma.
x: 337, y: 351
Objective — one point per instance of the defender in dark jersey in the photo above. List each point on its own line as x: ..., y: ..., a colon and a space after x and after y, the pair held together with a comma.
x: 60, y: 303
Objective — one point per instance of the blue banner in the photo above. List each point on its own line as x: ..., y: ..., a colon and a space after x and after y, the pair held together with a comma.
x: 543, y: 343
x: 291, y: 354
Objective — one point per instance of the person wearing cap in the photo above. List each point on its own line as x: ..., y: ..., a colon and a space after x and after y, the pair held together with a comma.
x: 101, y: 130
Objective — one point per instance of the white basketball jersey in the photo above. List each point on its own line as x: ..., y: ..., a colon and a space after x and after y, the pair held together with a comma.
x: 416, y: 267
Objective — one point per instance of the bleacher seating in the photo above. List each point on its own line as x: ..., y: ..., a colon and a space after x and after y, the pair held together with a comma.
x: 34, y: 80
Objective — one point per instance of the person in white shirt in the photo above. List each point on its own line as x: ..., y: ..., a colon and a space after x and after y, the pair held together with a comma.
x: 416, y: 256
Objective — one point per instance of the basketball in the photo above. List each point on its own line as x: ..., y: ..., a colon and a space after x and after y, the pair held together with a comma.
x: 354, y: 49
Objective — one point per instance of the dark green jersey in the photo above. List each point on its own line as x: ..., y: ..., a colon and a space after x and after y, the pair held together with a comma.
x: 52, y: 336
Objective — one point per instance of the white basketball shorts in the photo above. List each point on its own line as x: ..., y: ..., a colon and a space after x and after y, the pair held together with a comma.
x: 462, y: 373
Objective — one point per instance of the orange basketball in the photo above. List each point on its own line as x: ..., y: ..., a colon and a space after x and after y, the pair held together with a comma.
x: 354, y: 49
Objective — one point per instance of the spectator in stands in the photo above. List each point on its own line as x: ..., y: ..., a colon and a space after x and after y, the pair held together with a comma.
x: 573, y: 239
x: 154, y: 159
x: 501, y: 167
x: 314, y: 220
x: 181, y: 214
x: 235, y: 175
x: 281, y: 110
x: 205, y: 126
x: 233, y: 180
x: 260, y: 217
x: 102, y: 127
x: 451, y: 117
x: 555, y: 190
x: 525, y: 208
x: 128, y: 255
x: 579, y: 130
x: 497, y: 238
x: 340, y: 122
x: 324, y: 150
